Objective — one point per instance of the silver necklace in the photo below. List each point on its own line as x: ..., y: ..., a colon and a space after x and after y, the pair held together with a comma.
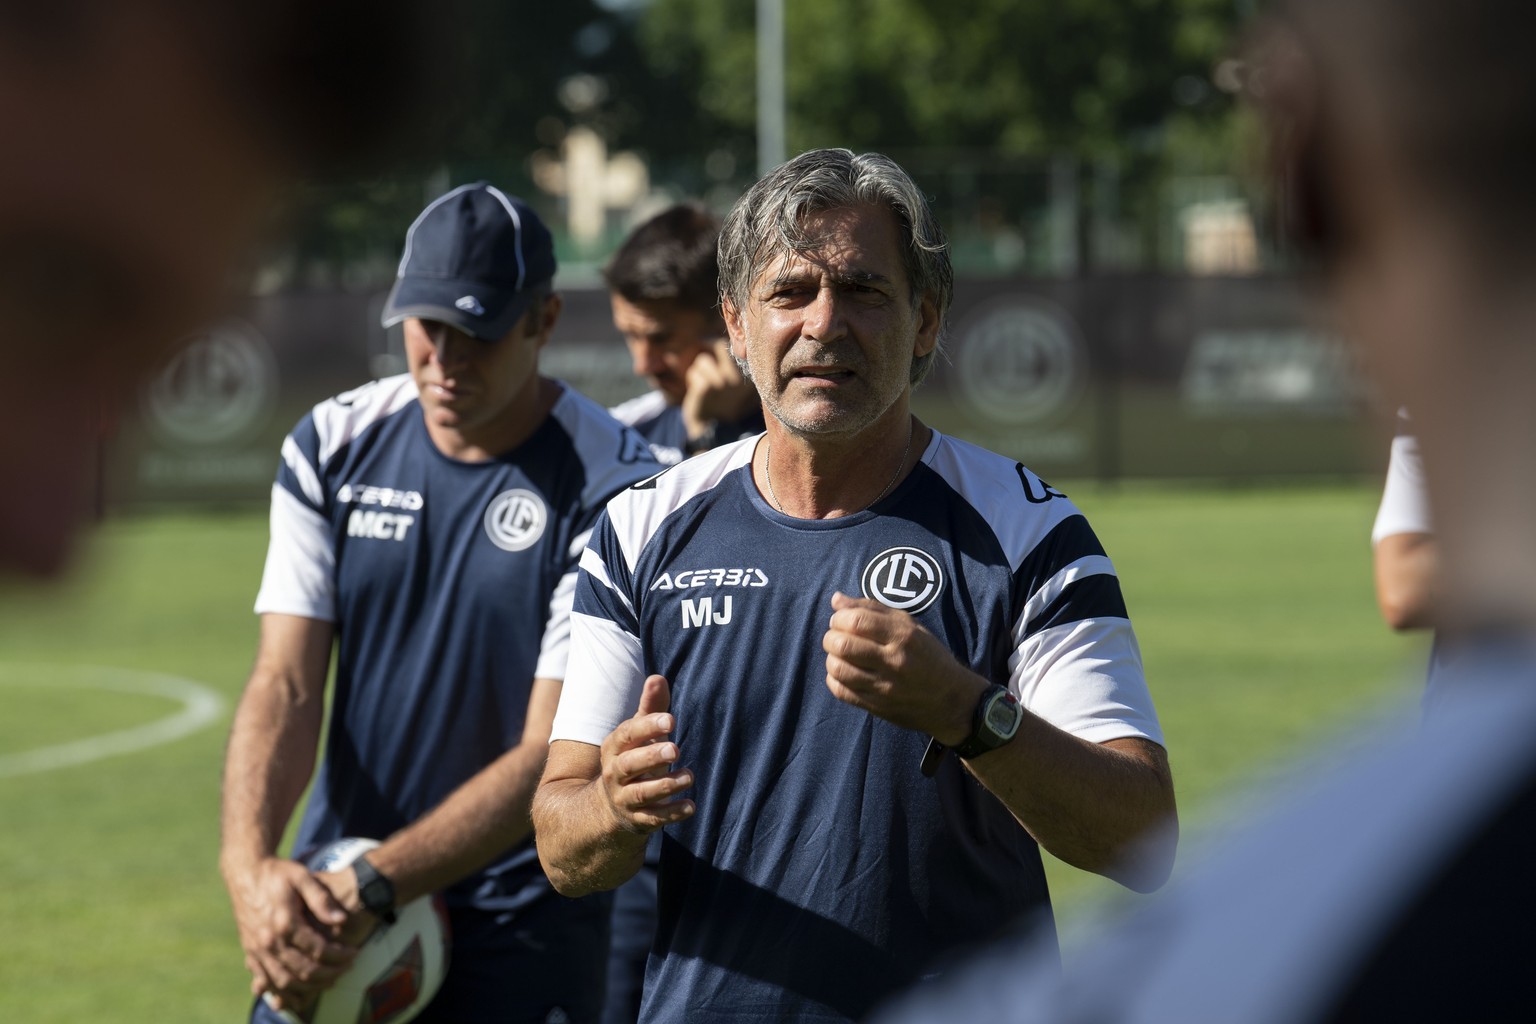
x: 768, y: 470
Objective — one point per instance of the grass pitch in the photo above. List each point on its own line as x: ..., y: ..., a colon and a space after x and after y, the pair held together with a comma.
x: 1253, y: 608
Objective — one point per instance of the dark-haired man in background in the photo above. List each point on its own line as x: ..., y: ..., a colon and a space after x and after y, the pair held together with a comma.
x: 663, y: 284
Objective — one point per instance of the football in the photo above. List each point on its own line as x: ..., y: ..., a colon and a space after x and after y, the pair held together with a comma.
x: 399, y: 968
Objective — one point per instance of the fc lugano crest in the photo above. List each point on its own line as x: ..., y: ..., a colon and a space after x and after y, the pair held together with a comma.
x: 907, y: 579
x: 515, y: 520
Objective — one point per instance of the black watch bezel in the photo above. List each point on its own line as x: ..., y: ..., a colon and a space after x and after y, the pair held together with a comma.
x: 984, y: 735
x: 375, y: 890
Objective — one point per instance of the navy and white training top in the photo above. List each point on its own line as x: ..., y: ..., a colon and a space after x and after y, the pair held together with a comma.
x: 822, y: 871
x: 450, y: 586
x: 661, y: 423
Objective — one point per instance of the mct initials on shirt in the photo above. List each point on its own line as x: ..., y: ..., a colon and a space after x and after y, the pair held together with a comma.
x: 372, y: 522
x: 379, y: 525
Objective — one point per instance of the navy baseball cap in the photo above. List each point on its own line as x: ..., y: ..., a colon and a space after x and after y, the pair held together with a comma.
x: 474, y: 259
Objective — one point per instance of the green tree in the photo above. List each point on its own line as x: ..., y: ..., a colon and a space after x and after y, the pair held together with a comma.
x: 1097, y: 82
x: 1015, y: 76
x: 497, y: 99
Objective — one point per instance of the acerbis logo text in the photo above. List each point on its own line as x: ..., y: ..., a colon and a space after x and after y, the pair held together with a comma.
x: 748, y: 577
x: 388, y: 497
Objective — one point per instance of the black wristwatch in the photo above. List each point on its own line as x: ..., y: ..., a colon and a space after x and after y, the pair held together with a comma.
x: 996, y: 720
x: 994, y: 723
x: 376, y: 891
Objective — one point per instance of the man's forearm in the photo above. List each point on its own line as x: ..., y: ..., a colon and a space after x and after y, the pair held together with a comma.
x: 1105, y: 808
x: 270, y: 759
x: 274, y: 739
x: 582, y: 846
x: 483, y: 818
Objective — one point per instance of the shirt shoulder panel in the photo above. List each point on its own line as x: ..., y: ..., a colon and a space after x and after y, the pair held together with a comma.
x: 640, y: 410
x: 339, y: 420
x: 637, y: 514
x: 612, y: 455
x: 330, y: 427
x: 998, y: 488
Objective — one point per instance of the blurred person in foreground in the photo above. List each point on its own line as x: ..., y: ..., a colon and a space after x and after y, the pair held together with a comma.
x: 146, y: 144
x: 426, y: 528
x: 854, y: 670
x: 663, y: 284
x: 1390, y: 879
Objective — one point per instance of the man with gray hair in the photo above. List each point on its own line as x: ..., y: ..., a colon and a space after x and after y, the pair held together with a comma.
x: 853, y: 669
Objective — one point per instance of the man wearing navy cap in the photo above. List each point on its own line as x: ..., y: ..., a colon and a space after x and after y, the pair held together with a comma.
x: 426, y: 527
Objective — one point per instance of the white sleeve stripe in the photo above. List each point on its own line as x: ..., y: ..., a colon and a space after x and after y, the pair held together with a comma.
x: 1089, y: 565
x: 593, y: 563
x: 308, y: 479
x: 579, y: 543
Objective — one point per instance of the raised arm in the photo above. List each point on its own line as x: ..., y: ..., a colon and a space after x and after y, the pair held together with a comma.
x: 1103, y: 807
x: 597, y: 806
x: 716, y: 391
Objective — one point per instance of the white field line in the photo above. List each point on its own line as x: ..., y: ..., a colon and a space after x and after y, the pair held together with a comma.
x: 200, y: 706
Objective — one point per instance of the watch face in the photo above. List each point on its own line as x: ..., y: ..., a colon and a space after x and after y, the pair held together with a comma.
x: 1003, y: 715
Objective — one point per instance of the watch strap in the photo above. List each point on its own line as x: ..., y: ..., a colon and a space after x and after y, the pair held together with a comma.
x: 933, y: 756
